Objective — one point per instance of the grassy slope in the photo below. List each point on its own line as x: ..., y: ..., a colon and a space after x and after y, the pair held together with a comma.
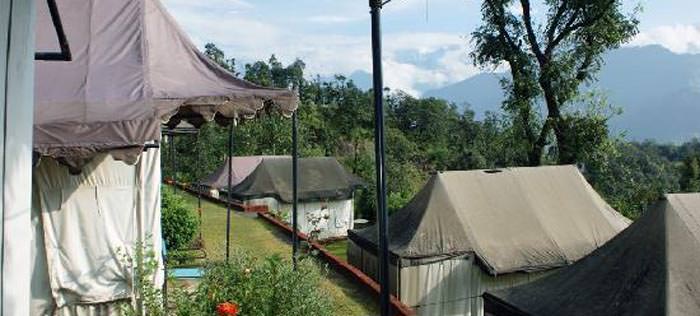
x: 261, y: 238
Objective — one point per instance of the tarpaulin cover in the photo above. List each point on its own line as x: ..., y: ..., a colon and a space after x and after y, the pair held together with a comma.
x: 87, y: 228
x: 516, y: 219
x: 132, y: 68
x: 651, y: 268
x: 319, y: 178
x: 242, y: 167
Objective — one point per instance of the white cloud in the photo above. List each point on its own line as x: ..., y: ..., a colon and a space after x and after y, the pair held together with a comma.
x: 209, y: 5
x: 333, y: 19
x: 248, y: 39
x: 678, y: 38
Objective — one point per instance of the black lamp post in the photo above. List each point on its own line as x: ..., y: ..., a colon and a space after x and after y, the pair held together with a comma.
x: 382, y: 215
x: 295, y: 184
x: 228, y: 189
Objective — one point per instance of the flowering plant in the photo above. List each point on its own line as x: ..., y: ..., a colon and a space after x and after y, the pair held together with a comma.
x: 227, y: 309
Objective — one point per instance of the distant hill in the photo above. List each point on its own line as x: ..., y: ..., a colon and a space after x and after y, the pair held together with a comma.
x: 659, y: 92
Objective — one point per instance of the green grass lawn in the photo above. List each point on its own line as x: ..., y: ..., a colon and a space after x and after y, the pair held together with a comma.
x: 262, y: 239
x: 338, y: 248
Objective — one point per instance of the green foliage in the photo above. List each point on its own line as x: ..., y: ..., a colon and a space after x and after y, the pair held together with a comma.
x: 549, y: 60
x: 428, y: 135
x: 260, y: 287
x: 179, y: 222
x: 631, y: 176
x: 148, y: 299
x: 217, y: 55
x: 690, y: 180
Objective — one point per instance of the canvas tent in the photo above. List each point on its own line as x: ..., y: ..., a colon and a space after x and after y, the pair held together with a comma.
x: 325, y: 193
x: 132, y: 68
x: 98, y: 117
x: 470, y: 231
x: 651, y: 268
x: 242, y: 168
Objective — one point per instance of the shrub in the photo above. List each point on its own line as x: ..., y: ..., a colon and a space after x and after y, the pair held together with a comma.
x: 179, y: 223
x: 259, y: 287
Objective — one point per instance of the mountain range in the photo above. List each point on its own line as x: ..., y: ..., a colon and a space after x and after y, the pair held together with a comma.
x: 657, y: 90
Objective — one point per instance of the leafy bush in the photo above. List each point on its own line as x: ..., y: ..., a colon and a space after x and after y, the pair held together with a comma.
x: 259, y: 287
x: 179, y: 223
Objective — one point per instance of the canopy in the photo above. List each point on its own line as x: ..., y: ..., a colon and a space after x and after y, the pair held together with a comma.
x: 319, y: 178
x: 651, y: 268
x: 242, y: 168
x: 132, y: 68
x: 518, y: 219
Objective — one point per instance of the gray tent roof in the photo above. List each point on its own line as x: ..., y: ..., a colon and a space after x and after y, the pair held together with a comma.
x: 518, y: 219
x: 242, y: 167
x: 132, y: 68
x: 651, y: 268
x: 319, y: 179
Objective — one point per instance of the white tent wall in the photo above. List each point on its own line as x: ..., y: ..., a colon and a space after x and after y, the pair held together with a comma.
x: 447, y: 287
x: 86, y: 227
x: 340, y: 215
x: 16, y: 115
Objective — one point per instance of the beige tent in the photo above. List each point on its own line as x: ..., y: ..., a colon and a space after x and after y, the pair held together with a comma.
x: 652, y: 268
x: 132, y: 69
x: 470, y: 231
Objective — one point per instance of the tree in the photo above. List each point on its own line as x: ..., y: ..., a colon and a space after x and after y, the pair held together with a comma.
x: 690, y: 179
x: 218, y: 56
x: 549, y: 61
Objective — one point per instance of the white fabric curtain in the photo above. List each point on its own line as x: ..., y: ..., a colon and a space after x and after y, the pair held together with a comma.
x: 86, y: 227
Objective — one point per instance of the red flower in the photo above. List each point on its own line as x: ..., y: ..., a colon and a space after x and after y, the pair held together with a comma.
x: 227, y: 309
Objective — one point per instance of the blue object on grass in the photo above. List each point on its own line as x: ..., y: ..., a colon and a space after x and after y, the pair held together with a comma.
x: 181, y: 273
x: 186, y: 273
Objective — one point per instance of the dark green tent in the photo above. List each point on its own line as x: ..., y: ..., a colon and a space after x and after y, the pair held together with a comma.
x: 320, y: 178
x: 651, y: 268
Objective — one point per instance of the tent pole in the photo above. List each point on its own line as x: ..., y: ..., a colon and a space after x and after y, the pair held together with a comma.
x: 295, y: 185
x: 228, y: 190
x: 199, y: 187
x: 382, y: 216
x: 173, y: 148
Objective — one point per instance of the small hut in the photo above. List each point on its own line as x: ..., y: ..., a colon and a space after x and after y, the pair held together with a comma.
x: 467, y: 232
x: 651, y: 268
x: 326, y: 192
x: 242, y: 167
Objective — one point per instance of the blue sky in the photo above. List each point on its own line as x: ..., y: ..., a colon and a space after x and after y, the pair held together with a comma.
x: 426, y: 44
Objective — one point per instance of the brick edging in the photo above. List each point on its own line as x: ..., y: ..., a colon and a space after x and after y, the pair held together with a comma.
x: 397, y: 306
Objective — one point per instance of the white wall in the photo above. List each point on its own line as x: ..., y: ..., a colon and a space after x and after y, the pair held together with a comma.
x: 16, y: 117
x: 340, y: 215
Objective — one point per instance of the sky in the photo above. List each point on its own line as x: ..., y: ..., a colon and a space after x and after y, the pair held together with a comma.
x: 426, y: 42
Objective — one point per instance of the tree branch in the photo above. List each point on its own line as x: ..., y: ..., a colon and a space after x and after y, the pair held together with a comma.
x: 501, y: 22
x: 531, y: 37
x: 556, y: 19
x: 572, y: 26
